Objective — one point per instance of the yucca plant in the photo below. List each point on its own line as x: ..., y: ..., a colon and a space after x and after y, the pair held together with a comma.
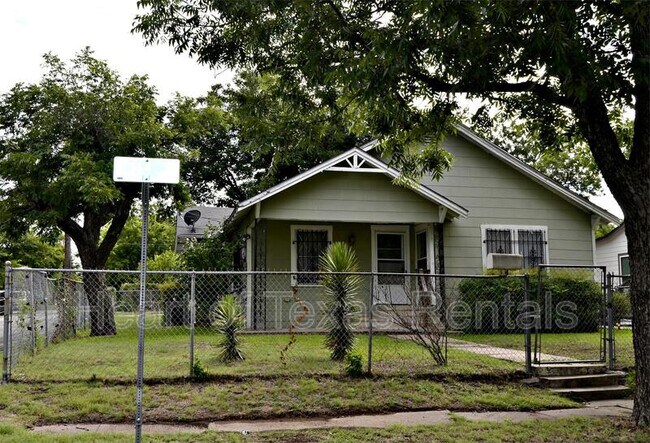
x: 229, y: 320
x: 338, y: 264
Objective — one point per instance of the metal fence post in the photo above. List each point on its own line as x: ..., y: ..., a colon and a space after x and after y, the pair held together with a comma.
x: 32, y: 305
x: 370, y: 306
x: 192, y: 320
x: 527, y: 328
x: 47, y: 337
x: 46, y: 320
x: 610, y: 320
x: 7, y: 314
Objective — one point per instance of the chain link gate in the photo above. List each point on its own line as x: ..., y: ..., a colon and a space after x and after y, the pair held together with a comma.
x: 574, y: 318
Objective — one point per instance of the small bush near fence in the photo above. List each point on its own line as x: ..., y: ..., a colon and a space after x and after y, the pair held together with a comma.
x: 489, y: 298
x: 621, y: 306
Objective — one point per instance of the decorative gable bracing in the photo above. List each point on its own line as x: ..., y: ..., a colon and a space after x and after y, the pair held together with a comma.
x: 348, y: 164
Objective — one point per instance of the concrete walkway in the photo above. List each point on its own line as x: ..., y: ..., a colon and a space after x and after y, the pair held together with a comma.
x: 515, y: 355
x: 606, y: 408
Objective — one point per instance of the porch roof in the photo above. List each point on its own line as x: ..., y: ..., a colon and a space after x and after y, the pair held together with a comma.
x: 356, y: 161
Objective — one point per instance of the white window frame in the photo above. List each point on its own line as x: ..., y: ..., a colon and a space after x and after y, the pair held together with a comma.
x: 514, y: 238
x: 620, y: 263
x: 428, y: 229
x: 390, y: 229
x: 294, y: 248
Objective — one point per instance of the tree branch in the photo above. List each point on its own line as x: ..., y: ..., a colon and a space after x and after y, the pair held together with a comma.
x: 115, y: 229
x: 538, y: 89
x: 72, y: 228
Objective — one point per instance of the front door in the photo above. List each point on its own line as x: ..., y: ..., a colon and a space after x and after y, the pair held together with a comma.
x: 390, y: 248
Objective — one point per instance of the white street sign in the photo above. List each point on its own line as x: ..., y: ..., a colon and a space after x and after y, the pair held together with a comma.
x: 146, y: 170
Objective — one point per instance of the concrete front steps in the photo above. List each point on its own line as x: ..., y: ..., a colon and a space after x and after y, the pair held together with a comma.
x: 585, y: 382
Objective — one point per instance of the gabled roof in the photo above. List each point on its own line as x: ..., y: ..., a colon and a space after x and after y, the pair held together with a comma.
x: 529, y: 171
x: 358, y: 161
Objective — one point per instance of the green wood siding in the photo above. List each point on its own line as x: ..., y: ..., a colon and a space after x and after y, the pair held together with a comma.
x: 279, y: 296
x: 494, y: 193
x: 350, y: 197
x: 278, y: 242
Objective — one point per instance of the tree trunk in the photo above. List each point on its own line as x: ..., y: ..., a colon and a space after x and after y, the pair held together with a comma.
x: 100, y: 300
x: 66, y: 299
x: 638, y: 234
x: 100, y: 303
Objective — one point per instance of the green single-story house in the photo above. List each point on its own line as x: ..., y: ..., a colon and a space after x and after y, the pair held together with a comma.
x: 489, y: 202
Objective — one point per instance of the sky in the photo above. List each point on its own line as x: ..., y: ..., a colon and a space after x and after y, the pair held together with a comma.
x: 31, y: 28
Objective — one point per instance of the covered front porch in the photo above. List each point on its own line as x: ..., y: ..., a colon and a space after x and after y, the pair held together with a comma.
x: 352, y: 198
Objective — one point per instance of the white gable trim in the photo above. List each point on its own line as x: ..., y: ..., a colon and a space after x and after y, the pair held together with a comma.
x: 527, y: 170
x: 354, y: 160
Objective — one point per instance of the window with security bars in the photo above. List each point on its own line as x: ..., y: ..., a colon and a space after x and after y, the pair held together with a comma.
x: 310, y: 245
x: 530, y: 242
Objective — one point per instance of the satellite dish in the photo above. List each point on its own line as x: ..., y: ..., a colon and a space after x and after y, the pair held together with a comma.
x: 191, y: 217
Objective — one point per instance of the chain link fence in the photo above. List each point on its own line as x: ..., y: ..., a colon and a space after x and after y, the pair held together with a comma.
x: 83, y: 325
x: 573, y: 315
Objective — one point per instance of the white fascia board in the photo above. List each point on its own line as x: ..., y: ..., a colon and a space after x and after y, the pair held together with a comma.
x: 391, y: 172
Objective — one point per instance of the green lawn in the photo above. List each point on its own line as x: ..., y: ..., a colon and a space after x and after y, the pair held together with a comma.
x: 583, y: 346
x: 459, y: 431
x: 167, y: 357
x: 250, y: 398
x: 90, y: 379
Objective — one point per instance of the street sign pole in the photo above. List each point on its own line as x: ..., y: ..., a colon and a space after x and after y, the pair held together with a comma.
x: 145, y: 171
x: 141, y: 315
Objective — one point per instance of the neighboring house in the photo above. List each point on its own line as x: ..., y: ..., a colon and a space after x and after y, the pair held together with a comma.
x: 611, y: 251
x: 193, y: 222
x: 488, y: 202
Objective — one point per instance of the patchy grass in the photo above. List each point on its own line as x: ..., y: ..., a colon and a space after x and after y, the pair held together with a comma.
x: 461, y: 431
x: 167, y: 356
x: 584, y: 346
x: 265, y: 398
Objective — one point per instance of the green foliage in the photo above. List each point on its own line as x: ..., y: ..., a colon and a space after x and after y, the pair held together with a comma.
x: 30, y: 250
x: 630, y: 379
x: 215, y: 252
x: 254, y: 134
x: 229, y: 321
x: 621, y: 306
x: 126, y: 253
x: 603, y: 230
x: 199, y: 373
x: 58, y: 138
x: 338, y: 263
x: 584, y: 294
x: 166, y: 261
x: 354, y: 365
x: 399, y: 68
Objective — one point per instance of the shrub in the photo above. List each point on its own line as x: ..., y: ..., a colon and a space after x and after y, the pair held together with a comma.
x: 230, y: 320
x: 198, y: 371
x: 340, y: 289
x: 584, y: 293
x: 621, y: 306
x: 354, y: 365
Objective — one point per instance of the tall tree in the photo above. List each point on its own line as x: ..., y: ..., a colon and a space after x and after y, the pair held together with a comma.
x: 254, y: 134
x: 58, y: 138
x: 32, y: 250
x: 126, y: 252
x: 552, y: 58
